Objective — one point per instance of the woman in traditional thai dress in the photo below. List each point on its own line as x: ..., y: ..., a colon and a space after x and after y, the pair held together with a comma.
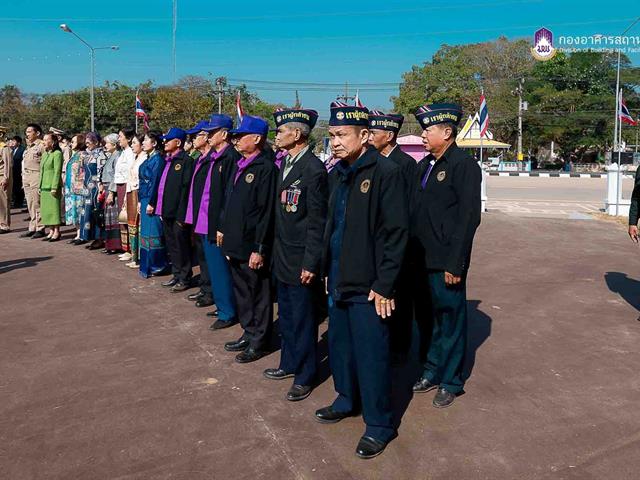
x: 73, y: 195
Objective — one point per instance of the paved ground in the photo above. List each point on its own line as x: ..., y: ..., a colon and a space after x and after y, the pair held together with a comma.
x: 550, y: 197
x: 104, y: 375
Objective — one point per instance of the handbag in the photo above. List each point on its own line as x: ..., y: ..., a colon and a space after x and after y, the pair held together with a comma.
x: 122, y: 215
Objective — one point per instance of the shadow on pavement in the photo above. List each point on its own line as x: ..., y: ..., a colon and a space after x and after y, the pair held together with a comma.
x: 16, y: 264
x: 627, y: 288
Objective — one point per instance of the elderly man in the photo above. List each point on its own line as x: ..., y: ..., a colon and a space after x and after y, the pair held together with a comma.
x: 6, y: 183
x: 31, y: 179
x: 364, y: 243
x: 383, y: 136
x: 200, y: 135
x: 301, y: 213
x: 17, y: 150
x: 444, y: 219
x: 246, y: 237
x: 169, y: 201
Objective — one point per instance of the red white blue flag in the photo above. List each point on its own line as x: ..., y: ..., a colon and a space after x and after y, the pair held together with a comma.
x: 240, y: 112
x: 625, y: 115
x: 141, y: 113
x: 484, y: 116
x: 357, y: 100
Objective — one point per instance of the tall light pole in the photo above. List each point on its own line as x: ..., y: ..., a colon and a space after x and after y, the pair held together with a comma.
x: 65, y: 28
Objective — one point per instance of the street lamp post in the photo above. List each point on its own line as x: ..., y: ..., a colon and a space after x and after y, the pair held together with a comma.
x: 65, y: 28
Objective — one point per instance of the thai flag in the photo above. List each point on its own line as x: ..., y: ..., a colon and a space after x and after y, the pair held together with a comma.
x: 139, y: 110
x: 484, y: 116
x: 358, y: 102
x: 625, y: 115
x: 240, y: 112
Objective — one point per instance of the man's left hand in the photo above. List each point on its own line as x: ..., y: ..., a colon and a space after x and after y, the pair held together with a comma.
x: 306, y: 277
x: 256, y: 261
x: 384, y: 306
x: 450, y: 279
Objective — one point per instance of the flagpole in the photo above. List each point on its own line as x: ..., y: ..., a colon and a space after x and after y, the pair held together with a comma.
x: 136, y: 111
x: 619, y: 109
x: 615, y: 129
x: 480, y: 127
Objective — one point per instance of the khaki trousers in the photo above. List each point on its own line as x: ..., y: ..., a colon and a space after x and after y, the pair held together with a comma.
x: 31, y: 185
x: 5, y: 207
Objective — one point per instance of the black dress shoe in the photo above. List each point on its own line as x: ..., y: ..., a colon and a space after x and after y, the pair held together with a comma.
x: 443, y: 398
x: 277, y: 374
x: 369, y: 447
x: 38, y: 234
x: 170, y: 283
x: 27, y: 234
x: 298, y: 392
x: 220, y: 324
x: 250, y: 355
x: 73, y: 241
x: 329, y: 415
x: 195, y: 296
x: 204, y: 302
x: 213, y: 314
x: 46, y: 239
x: 4, y: 230
x: 179, y: 287
x: 236, y: 345
x: 54, y: 239
x: 423, y: 385
x: 81, y: 242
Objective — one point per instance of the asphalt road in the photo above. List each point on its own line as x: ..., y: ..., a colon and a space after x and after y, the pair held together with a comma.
x: 549, y: 197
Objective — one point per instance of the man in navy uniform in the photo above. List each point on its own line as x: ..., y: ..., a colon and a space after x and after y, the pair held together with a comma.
x: 200, y: 133
x: 364, y: 243
x: 301, y: 213
x: 246, y: 236
x: 445, y: 217
x: 383, y: 136
x: 169, y: 201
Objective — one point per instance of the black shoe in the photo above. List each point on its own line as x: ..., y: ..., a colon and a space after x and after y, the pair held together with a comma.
x: 220, y: 324
x: 179, y: 287
x: 298, y: 392
x: 443, y: 398
x: 38, y: 234
x: 204, y: 302
x: 237, y: 345
x: 4, y: 230
x: 95, y: 245
x: 46, y: 239
x: 73, y: 241
x: 423, y: 385
x: 195, y: 296
x: 213, y: 314
x: 329, y: 415
x: 276, y: 374
x: 81, y: 242
x: 369, y: 447
x: 54, y: 239
x: 27, y: 234
x: 250, y: 355
x: 170, y: 283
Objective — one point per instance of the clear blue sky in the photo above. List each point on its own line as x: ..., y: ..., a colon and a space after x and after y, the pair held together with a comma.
x: 333, y: 41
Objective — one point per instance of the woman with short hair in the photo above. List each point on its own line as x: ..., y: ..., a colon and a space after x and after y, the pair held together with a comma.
x: 112, y: 242
x: 120, y: 176
x: 73, y: 180
x: 133, y: 213
x: 51, y: 186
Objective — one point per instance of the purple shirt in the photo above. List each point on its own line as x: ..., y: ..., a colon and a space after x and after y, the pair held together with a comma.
x: 202, y: 225
x: 243, y: 163
x: 280, y: 155
x: 189, y: 217
x: 163, y: 180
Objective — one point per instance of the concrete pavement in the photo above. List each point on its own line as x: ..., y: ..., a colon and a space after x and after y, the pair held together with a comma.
x: 105, y: 375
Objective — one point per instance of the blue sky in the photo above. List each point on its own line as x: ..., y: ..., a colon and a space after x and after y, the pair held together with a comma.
x: 365, y: 42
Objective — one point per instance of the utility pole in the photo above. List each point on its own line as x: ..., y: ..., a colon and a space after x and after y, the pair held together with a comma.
x: 519, y: 91
x: 345, y: 98
x: 297, y: 105
x: 219, y: 83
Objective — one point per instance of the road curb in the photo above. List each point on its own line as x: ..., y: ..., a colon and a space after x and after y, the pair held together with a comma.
x: 547, y: 174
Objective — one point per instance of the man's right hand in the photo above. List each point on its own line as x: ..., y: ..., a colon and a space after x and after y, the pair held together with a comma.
x: 633, y: 233
x: 149, y: 210
x: 219, y: 238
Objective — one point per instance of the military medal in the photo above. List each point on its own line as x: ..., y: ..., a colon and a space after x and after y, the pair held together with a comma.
x: 177, y: 167
x: 288, y: 208
x: 249, y: 178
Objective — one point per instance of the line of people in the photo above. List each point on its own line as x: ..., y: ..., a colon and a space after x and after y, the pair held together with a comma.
x: 377, y: 240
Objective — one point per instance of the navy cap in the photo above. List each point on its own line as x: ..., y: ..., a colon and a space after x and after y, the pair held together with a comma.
x: 343, y: 114
x: 198, y: 128
x: 219, y: 120
x: 381, y: 121
x: 287, y: 115
x: 250, y: 124
x: 175, y: 133
x: 437, y: 113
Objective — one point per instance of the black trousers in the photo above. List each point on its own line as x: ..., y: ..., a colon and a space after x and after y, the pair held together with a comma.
x: 252, y: 290
x: 205, y: 277
x: 178, y: 239
x: 17, y: 192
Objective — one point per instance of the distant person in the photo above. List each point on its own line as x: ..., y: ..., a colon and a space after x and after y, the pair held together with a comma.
x: 91, y: 224
x: 31, y: 179
x: 6, y: 184
x: 633, y: 208
x: 73, y: 182
x: 51, y: 187
x: 118, y: 189
x: 112, y: 242
x: 18, y: 151
x: 133, y: 206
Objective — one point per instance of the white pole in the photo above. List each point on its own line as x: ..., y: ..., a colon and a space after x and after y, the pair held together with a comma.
x: 615, y: 129
x: 135, y: 110
x: 93, y: 81
x: 619, y: 152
